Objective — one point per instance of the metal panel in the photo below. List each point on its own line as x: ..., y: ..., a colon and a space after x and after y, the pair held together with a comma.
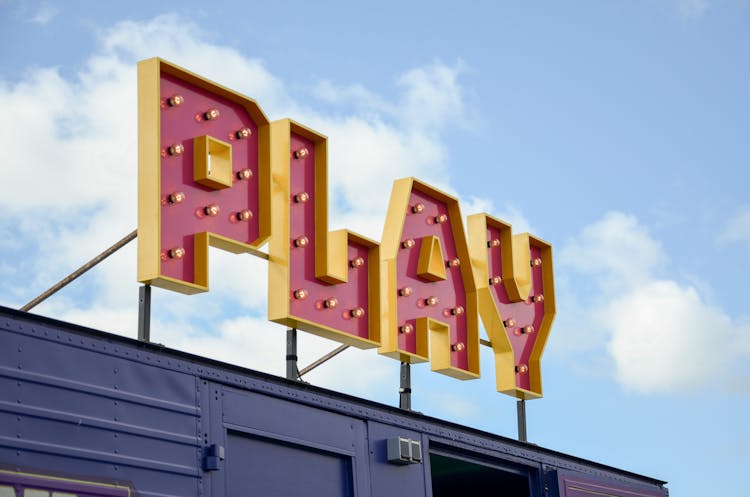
x: 72, y: 405
x: 569, y: 484
x: 322, y: 452
x: 268, y: 467
x: 389, y: 479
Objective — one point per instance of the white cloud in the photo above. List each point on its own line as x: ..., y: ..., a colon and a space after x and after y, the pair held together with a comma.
x: 661, y: 335
x: 737, y: 229
x: 664, y: 337
x: 617, y: 250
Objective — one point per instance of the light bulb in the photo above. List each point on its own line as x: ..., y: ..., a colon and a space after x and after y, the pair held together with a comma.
x: 175, y: 100
x: 211, y: 114
x: 301, y: 153
x: 406, y: 291
x: 176, y: 253
x: 244, y: 215
x: 245, y: 174
x: 300, y: 294
x: 176, y: 198
x: 418, y: 208
x: 176, y: 149
x: 301, y: 198
x: 301, y: 241
x: 408, y: 243
x: 357, y: 312
x: 243, y: 133
x: 357, y: 262
x: 211, y: 210
x: 406, y: 329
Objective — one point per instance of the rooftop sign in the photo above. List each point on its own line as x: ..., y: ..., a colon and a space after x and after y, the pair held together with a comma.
x: 213, y: 171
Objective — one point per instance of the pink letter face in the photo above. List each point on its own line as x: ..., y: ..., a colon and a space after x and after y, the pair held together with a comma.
x: 321, y: 282
x: 517, y: 301
x: 430, y: 299
x: 204, y: 148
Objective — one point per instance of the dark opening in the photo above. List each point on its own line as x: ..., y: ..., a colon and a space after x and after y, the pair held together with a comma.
x: 454, y: 477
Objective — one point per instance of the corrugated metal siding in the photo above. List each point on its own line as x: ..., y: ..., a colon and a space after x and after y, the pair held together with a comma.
x: 73, y: 408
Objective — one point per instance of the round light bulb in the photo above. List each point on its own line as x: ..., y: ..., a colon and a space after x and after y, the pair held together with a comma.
x: 457, y: 311
x: 357, y: 312
x: 301, y: 153
x: 431, y: 301
x: 301, y: 198
x: 245, y: 174
x: 175, y: 100
x: 408, y: 243
x: 357, y: 262
x: 176, y: 149
x: 244, y: 215
x: 300, y: 294
x: 243, y: 133
x: 211, y: 210
x: 176, y: 198
x: 406, y: 329
x: 406, y: 291
x: 301, y: 241
x: 176, y: 253
x: 418, y: 208
x: 211, y: 114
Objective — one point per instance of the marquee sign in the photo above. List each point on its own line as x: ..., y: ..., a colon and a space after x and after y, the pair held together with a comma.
x: 213, y: 171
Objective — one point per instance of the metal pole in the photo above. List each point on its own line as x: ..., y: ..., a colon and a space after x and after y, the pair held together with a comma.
x: 144, y: 313
x: 292, y: 373
x: 521, y: 409
x: 78, y: 272
x: 322, y: 360
x: 404, y: 391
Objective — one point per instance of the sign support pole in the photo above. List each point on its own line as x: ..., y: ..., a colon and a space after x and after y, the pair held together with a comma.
x: 292, y: 373
x: 404, y: 391
x: 521, y: 409
x: 144, y: 313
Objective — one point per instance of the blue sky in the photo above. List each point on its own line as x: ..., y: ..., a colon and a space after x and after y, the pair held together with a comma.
x: 618, y: 131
